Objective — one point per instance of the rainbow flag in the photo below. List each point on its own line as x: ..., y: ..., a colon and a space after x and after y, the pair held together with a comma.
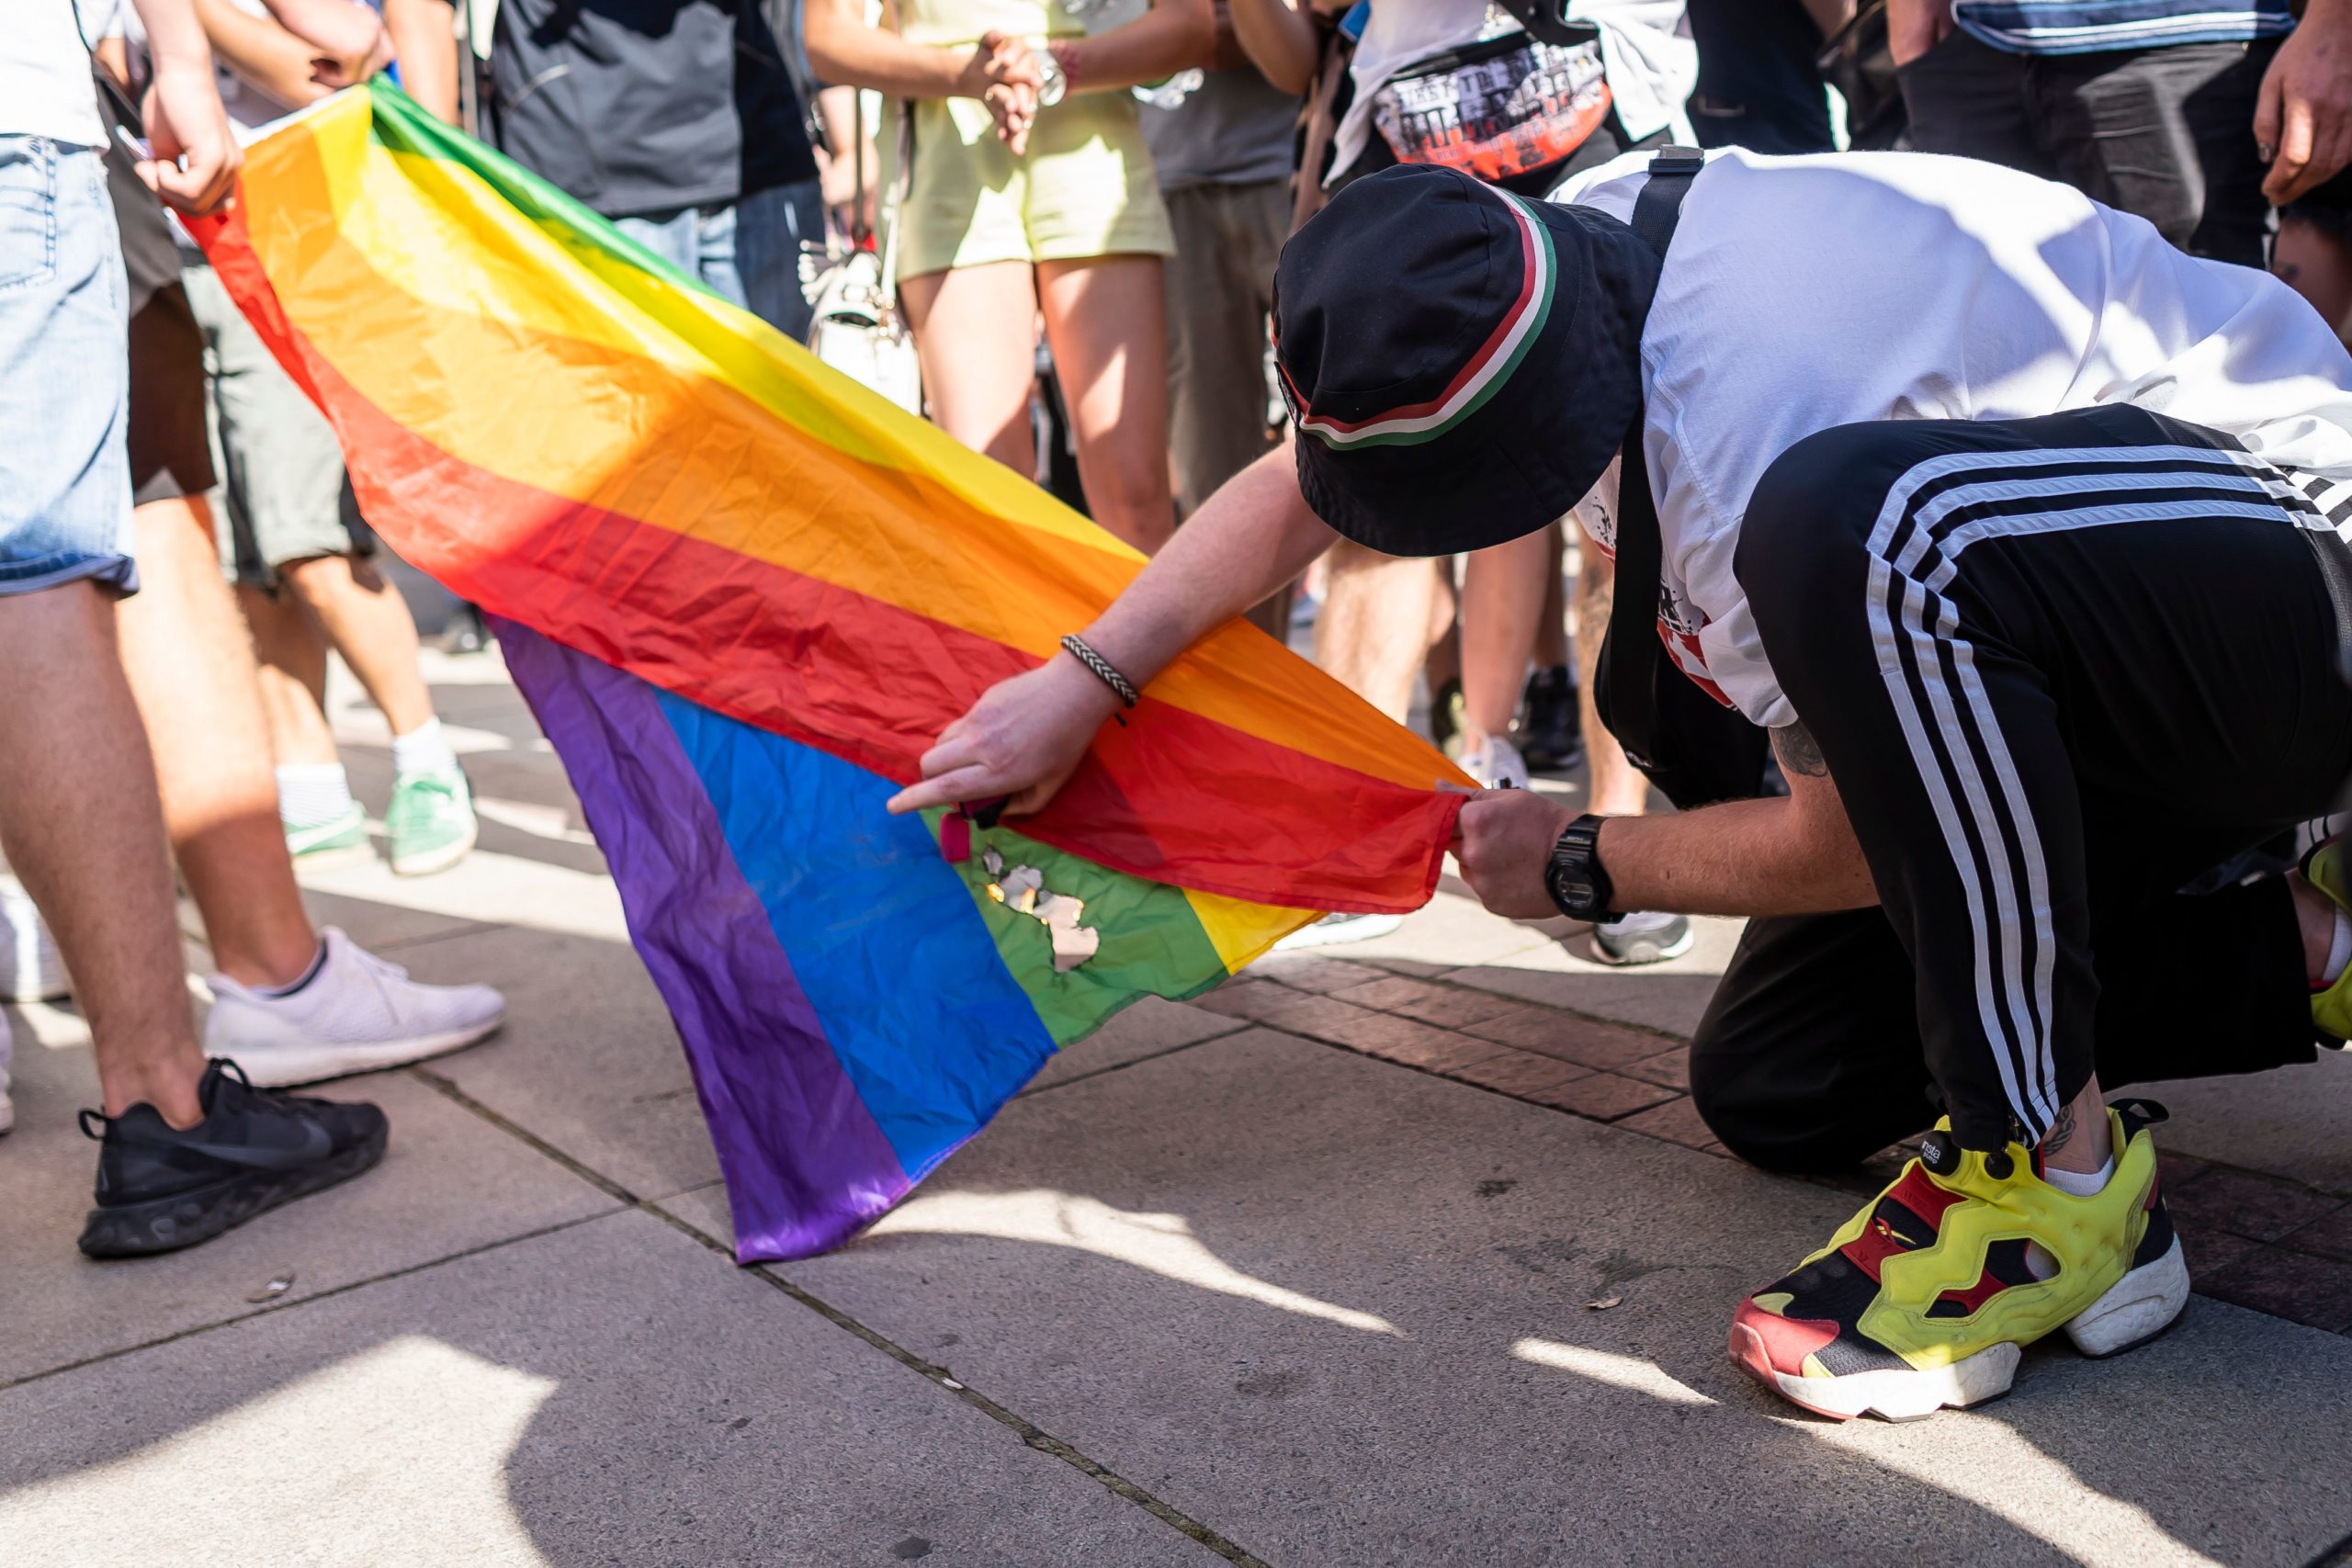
x: 744, y: 594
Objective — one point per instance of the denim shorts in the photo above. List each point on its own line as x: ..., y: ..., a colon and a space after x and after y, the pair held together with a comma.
x: 64, y: 372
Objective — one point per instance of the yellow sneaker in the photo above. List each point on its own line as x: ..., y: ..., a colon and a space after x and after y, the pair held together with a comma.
x: 1926, y: 1298
x: 2325, y: 869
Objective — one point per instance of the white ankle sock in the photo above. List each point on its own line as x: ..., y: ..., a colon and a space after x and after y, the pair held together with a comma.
x: 2080, y: 1183
x: 424, y: 750
x: 2339, y: 950
x: 312, y: 793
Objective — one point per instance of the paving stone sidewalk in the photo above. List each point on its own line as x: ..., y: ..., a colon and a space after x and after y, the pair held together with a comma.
x: 1411, y: 1253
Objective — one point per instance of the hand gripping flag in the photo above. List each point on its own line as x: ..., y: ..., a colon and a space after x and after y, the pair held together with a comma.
x: 744, y: 594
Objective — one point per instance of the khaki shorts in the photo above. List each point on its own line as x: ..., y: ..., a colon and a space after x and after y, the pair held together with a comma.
x: 1085, y: 187
x: 281, y: 469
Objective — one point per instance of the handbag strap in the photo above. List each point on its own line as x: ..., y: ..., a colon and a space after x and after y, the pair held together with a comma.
x: 1630, y: 664
x: 893, y: 198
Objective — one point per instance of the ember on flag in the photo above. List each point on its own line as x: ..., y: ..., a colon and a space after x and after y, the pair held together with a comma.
x: 744, y: 594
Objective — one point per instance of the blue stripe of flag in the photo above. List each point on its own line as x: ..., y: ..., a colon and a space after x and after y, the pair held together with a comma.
x: 880, y: 930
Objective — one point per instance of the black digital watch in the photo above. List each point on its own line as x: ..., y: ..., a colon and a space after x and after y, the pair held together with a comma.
x: 1578, y: 885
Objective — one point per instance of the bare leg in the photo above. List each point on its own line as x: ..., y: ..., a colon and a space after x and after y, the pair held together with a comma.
x: 79, y: 814
x: 1617, y: 787
x: 2315, y: 263
x: 292, y: 654
x: 1502, y: 593
x: 1444, y: 661
x: 2080, y: 1139
x: 191, y: 669
x: 369, y: 623
x: 1373, y: 606
x: 976, y: 335
x: 1105, y: 319
x: 1552, y: 621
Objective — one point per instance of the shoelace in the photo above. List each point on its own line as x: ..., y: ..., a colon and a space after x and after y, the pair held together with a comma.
x: 429, y: 796
x: 381, y: 974
x: 229, y: 1078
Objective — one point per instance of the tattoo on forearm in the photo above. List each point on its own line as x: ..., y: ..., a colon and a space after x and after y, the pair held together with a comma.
x: 1794, y: 745
x: 2060, y: 1133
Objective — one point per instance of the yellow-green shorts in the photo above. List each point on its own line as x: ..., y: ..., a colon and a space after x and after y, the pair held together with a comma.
x: 1085, y: 187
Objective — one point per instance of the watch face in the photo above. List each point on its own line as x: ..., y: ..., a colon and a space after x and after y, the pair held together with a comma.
x: 1569, y: 889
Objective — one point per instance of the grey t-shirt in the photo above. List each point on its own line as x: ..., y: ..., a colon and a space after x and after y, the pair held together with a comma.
x: 1236, y: 129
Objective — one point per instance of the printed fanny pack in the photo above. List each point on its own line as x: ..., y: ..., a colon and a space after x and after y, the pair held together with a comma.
x: 1498, y: 107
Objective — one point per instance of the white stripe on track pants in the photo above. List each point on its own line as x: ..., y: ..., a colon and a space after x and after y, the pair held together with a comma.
x: 2055, y: 666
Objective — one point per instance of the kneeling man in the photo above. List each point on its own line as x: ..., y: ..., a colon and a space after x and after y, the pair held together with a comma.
x: 2015, y: 527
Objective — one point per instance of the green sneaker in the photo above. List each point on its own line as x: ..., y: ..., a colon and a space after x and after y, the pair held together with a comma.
x: 2325, y: 869
x: 431, y: 821
x: 340, y: 838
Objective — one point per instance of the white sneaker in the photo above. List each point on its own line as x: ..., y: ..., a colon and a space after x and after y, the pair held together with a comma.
x: 31, y: 969
x: 7, y: 1052
x: 1646, y: 936
x: 1332, y: 929
x: 1496, y: 764
x: 357, y: 1014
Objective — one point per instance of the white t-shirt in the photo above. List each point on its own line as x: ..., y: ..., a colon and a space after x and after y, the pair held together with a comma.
x: 1646, y: 56
x: 45, y: 85
x: 1802, y: 293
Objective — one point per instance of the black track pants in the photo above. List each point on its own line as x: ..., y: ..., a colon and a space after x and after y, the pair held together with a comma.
x: 2057, y: 668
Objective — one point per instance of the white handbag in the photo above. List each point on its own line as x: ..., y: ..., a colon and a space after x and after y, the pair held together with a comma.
x: 857, y: 328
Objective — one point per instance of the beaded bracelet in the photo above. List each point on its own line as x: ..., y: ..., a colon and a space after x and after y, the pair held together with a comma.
x: 1075, y: 646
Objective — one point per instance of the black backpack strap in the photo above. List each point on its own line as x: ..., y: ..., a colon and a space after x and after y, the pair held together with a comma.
x: 1629, y: 673
x: 1659, y: 207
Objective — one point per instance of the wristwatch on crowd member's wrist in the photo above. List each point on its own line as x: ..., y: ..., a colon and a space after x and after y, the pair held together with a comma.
x: 1575, y: 879
x: 1054, y: 82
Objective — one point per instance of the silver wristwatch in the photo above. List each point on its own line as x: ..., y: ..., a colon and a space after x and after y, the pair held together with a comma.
x: 1053, y: 84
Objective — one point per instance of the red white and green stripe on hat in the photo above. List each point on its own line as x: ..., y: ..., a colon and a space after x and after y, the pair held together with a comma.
x: 1479, y: 379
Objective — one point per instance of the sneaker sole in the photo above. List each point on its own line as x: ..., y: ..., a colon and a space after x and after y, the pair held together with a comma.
x: 37, y: 991
x: 284, y: 1066
x: 1549, y: 763
x: 167, y: 1224
x: 441, y: 859
x: 1301, y: 939
x: 2134, y: 1310
x: 1644, y: 951
x: 1891, y: 1395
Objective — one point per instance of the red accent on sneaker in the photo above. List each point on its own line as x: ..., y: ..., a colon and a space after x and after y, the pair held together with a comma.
x: 1781, y: 1344
x: 1918, y: 1192
x: 1976, y: 1295
x: 1874, y: 1248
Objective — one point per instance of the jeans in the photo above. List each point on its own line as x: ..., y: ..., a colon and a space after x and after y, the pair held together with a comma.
x: 747, y: 251
x: 2163, y: 133
x: 65, y: 373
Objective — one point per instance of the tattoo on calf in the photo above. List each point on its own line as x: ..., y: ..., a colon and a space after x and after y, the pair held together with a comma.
x: 2060, y: 1133
x: 1799, y: 753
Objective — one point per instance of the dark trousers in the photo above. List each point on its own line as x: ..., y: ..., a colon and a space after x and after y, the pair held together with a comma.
x: 1758, y: 87
x: 2165, y: 133
x: 2058, y: 667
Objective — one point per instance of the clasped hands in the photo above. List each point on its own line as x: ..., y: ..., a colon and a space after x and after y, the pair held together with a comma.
x: 1004, y: 75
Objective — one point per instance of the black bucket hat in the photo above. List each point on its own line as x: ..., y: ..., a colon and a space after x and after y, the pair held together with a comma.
x: 1461, y: 363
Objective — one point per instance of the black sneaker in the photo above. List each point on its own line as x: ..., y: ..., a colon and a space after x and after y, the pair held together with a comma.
x: 1551, y: 736
x: 161, y: 1189
x: 1445, y: 716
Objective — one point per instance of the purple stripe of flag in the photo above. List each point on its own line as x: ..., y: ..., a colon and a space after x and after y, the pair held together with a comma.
x: 805, y: 1164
